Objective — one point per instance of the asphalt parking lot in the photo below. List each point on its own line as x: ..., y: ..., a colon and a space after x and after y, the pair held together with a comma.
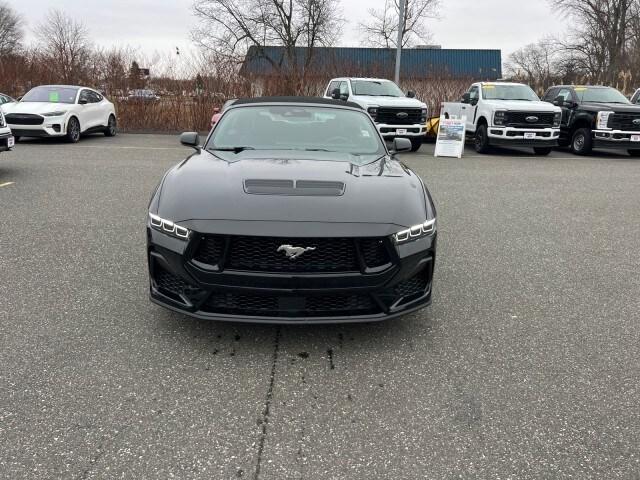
x: 526, y: 366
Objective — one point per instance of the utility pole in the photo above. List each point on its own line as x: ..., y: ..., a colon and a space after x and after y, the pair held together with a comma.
x: 400, y: 34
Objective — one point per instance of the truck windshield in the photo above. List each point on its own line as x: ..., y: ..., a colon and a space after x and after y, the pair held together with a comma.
x: 600, y: 95
x: 376, y: 88
x: 508, y: 92
x: 296, y: 127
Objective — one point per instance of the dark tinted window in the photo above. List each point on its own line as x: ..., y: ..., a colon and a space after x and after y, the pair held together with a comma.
x: 332, y: 87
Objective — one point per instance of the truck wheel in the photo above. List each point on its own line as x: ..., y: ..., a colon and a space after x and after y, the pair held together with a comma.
x: 416, y: 143
x: 633, y: 153
x: 581, y: 142
x: 481, y: 139
x: 542, y: 150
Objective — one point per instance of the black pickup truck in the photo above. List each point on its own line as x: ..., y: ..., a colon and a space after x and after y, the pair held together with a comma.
x: 596, y: 117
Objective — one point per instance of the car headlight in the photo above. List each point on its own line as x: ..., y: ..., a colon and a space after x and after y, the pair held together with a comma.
x: 2, y: 122
x: 53, y: 114
x: 602, y: 121
x: 417, y: 231
x: 499, y: 117
x: 425, y: 114
x: 373, y: 111
x: 168, y: 227
x: 557, y: 118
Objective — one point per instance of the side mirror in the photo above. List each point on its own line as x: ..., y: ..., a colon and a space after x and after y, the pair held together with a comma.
x: 83, y: 101
x: 466, y: 98
x: 401, y: 145
x: 411, y: 94
x: 190, y: 139
x: 335, y: 94
x: 559, y: 101
x: 216, y: 110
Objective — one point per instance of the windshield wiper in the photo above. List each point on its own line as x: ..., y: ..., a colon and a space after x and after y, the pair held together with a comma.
x: 231, y: 149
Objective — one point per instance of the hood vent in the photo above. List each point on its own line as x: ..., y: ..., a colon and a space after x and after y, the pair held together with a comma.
x: 310, y: 188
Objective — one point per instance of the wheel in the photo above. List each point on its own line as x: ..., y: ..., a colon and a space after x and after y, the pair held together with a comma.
x: 542, y: 150
x: 73, y: 130
x: 416, y: 143
x: 581, y: 142
x: 481, y: 139
x: 110, y: 130
x: 633, y: 153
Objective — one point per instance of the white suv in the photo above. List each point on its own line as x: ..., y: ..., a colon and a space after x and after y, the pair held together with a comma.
x: 397, y: 115
x: 6, y: 139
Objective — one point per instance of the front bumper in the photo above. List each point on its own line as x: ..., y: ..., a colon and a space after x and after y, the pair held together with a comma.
x: 616, y: 139
x: 518, y: 137
x: 392, y: 131
x: 54, y: 127
x: 6, y: 142
x: 182, y: 284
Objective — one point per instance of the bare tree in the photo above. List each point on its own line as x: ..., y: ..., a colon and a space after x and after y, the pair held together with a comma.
x: 65, y: 42
x: 11, y: 32
x: 231, y: 27
x: 539, y: 64
x: 382, y: 28
x: 600, y: 38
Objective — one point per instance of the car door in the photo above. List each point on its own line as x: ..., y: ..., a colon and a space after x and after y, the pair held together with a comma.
x: 470, y: 109
x: 103, y: 109
x: 567, y: 106
x: 85, y: 110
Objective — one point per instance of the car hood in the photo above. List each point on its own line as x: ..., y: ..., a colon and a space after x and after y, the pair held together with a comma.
x: 204, y: 187
x: 614, y: 107
x: 523, y: 106
x: 37, y: 108
x: 400, y: 102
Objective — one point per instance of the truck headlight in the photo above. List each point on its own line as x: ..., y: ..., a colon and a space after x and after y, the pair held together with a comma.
x: 557, y: 118
x: 373, y: 111
x: 417, y: 231
x: 602, y: 121
x: 2, y: 122
x: 425, y: 114
x: 499, y: 117
x: 168, y: 227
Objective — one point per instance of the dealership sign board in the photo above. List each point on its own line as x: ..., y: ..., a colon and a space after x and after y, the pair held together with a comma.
x: 451, y: 135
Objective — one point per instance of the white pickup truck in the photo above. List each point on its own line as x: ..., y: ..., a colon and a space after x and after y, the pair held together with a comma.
x: 397, y: 115
x: 6, y: 139
x: 507, y: 114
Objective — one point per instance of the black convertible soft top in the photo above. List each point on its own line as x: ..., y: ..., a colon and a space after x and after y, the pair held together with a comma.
x: 306, y: 100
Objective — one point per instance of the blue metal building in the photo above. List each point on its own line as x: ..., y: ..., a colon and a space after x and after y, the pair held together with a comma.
x: 347, y: 61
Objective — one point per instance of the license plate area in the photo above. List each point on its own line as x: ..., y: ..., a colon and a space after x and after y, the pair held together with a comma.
x: 529, y: 135
x: 401, y: 131
x: 635, y: 138
x: 11, y: 141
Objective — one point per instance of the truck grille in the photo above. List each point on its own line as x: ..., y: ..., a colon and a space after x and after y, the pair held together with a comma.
x: 261, y: 254
x: 24, y: 119
x: 399, y: 116
x: 519, y: 119
x: 624, y: 121
x: 291, y: 306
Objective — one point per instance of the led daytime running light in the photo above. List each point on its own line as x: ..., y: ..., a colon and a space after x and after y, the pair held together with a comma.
x: 417, y: 231
x: 169, y: 227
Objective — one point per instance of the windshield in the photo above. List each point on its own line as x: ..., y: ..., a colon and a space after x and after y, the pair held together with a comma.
x: 600, y: 95
x: 381, y: 88
x: 294, y: 127
x: 51, y: 95
x: 508, y: 92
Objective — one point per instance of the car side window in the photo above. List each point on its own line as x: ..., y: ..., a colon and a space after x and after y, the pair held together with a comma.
x: 551, y: 95
x: 344, y: 88
x: 474, y: 93
x: 565, y: 93
x: 332, y: 86
x: 84, y: 96
x: 94, y: 97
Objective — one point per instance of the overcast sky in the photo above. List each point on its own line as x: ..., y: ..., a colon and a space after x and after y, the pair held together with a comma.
x: 154, y: 25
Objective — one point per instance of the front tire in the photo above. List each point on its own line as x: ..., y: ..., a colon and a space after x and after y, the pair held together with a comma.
x: 542, y: 151
x: 73, y: 130
x: 416, y: 143
x: 111, y: 128
x: 481, y: 139
x: 582, y: 141
x: 633, y: 153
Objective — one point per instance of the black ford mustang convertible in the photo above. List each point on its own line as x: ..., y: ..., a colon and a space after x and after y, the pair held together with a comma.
x: 293, y: 211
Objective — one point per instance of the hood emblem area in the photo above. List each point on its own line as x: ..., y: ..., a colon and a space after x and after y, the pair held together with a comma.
x: 532, y: 119
x: 294, y: 252
x: 636, y: 121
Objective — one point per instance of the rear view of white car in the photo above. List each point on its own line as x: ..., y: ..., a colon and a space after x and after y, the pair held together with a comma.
x: 61, y: 111
x: 6, y: 139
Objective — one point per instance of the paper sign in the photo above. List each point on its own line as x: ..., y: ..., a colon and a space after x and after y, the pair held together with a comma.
x: 451, y: 137
x: 54, y: 97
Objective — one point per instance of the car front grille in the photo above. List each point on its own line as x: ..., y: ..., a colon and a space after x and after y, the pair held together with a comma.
x: 519, y: 119
x: 172, y: 285
x: 24, y: 119
x: 291, y: 306
x: 269, y: 254
x: 624, y: 121
x: 396, y: 116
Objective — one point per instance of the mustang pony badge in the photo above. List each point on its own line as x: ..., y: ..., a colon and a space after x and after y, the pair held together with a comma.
x: 294, y: 252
